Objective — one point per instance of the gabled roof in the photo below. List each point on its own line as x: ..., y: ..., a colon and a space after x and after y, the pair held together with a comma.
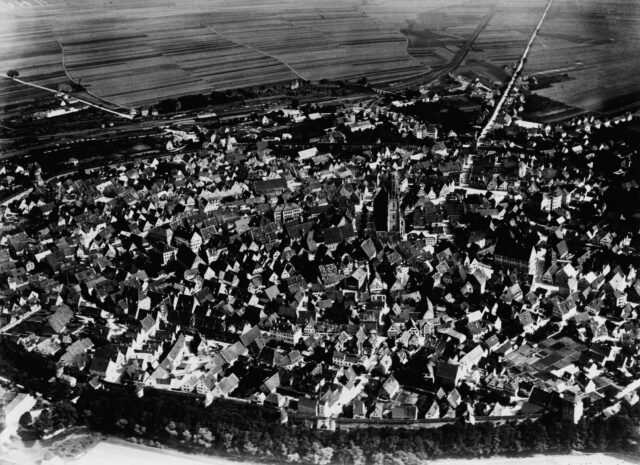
x: 228, y: 384
x: 250, y: 336
x: 59, y: 320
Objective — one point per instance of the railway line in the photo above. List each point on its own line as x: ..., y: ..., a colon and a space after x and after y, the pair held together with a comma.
x: 143, y: 127
x: 431, y: 77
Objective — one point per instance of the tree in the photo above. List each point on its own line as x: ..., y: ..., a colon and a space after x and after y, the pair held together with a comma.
x: 228, y: 441
x: 354, y: 455
x: 250, y: 448
x: 167, y: 106
x: 293, y: 458
x: 319, y: 455
x: 12, y: 73
x: 217, y: 98
x: 25, y: 419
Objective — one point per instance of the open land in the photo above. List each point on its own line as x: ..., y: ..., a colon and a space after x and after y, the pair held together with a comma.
x: 113, y: 450
x: 573, y: 459
x: 130, y: 53
x: 591, y: 42
x: 108, y: 452
x: 136, y: 53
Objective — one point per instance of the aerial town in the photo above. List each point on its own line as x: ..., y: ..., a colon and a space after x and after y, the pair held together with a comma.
x: 339, y: 280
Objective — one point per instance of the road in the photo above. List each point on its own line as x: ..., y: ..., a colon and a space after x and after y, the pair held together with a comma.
x: 514, y: 77
x: 85, y: 102
x: 24, y: 317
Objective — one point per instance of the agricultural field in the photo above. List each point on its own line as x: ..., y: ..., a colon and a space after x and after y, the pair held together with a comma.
x: 440, y: 33
x: 137, y: 52
x: 27, y: 43
x: 131, y: 53
x: 596, y: 44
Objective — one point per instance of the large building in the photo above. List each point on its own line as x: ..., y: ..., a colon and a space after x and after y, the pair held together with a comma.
x: 517, y: 256
x: 380, y: 209
x: 386, y: 208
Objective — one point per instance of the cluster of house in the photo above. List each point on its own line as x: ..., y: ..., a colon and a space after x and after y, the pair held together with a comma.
x: 407, y: 283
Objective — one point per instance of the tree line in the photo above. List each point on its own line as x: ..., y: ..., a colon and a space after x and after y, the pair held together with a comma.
x: 232, y: 428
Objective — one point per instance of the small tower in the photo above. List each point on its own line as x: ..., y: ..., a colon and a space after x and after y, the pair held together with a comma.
x: 467, y: 166
x: 37, y: 175
x: 393, y: 219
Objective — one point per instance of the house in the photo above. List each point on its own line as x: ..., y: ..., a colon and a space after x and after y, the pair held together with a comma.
x: 76, y: 355
x: 454, y: 398
x: 390, y: 387
x: 193, y: 241
x: 448, y: 374
x: 307, y: 406
x: 551, y: 200
x: 274, y: 400
x: 226, y: 386
x: 357, y: 279
x: 471, y: 360
x: 527, y: 321
x: 106, y: 369
x: 291, y: 211
x: 270, y: 187
x: 405, y: 412
x: 359, y: 410
x: 335, y: 235
x: 513, y: 255
x: 60, y: 318
x: 433, y: 412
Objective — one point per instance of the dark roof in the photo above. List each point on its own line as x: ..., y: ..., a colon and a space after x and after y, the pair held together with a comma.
x: 264, y: 187
x: 447, y: 371
x: 512, y: 249
x: 338, y: 234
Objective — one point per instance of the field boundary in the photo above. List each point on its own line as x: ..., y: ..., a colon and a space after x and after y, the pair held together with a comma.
x: 262, y: 52
x: 68, y: 74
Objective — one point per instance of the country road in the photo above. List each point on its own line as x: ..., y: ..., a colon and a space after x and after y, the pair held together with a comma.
x: 514, y: 77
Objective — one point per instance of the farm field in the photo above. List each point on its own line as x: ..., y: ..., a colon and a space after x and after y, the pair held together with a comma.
x: 502, y: 42
x: 27, y: 43
x: 437, y: 31
x: 596, y: 44
x: 137, y: 52
x: 130, y: 53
